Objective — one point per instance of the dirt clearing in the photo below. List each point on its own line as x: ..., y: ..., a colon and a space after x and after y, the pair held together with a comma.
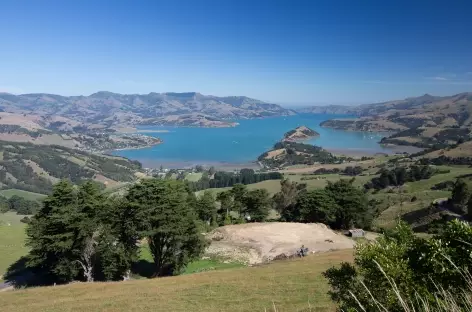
x: 255, y: 243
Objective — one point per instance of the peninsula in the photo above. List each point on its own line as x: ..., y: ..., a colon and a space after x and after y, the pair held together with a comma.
x: 300, y: 133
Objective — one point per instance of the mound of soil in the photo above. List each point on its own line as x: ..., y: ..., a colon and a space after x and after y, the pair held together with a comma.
x: 255, y: 243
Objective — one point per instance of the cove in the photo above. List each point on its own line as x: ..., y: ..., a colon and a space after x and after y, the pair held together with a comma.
x: 243, y: 144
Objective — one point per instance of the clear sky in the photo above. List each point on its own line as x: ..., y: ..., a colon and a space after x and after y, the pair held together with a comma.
x: 289, y: 52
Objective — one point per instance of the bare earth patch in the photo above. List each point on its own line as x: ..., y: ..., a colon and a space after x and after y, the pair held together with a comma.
x: 255, y: 243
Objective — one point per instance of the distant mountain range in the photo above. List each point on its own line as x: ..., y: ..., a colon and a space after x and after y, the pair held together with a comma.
x: 111, y: 109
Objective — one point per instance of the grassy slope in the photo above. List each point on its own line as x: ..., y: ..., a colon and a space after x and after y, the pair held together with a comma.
x: 25, y: 194
x: 400, y: 203
x: 289, y: 285
x: 193, y: 176
x: 12, y: 238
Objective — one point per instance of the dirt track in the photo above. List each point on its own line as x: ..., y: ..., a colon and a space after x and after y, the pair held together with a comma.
x: 262, y: 242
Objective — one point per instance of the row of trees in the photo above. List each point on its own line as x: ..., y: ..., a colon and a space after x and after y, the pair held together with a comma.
x: 19, y: 204
x: 79, y: 234
x: 228, y: 179
x: 349, y: 170
x: 340, y: 205
x: 399, y: 176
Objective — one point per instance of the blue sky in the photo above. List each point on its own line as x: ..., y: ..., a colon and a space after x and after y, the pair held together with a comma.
x: 288, y: 52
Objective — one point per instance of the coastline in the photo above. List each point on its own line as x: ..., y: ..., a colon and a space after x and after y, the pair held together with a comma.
x: 182, y: 164
x: 131, y: 148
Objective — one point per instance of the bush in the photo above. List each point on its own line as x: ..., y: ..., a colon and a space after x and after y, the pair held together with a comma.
x: 401, y: 272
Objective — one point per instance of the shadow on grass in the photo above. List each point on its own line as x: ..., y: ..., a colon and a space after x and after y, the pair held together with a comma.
x: 143, y: 268
x: 19, y: 275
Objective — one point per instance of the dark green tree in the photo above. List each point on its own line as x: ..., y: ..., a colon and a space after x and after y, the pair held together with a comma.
x: 124, y: 223
x: 89, y: 226
x: 257, y: 204
x: 352, y: 202
x: 226, y: 202
x: 4, y: 205
x: 460, y: 195
x: 170, y: 224
x: 239, y: 192
x: 317, y: 206
x: 285, y: 200
x: 52, y: 235
x: 206, y: 207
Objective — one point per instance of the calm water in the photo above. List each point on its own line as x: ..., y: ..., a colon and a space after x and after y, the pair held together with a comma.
x: 244, y: 143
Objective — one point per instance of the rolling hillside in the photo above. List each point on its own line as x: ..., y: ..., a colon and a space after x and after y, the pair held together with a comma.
x: 424, y: 121
x: 36, y: 168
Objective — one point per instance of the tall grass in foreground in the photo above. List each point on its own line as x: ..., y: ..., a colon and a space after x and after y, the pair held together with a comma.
x: 443, y: 300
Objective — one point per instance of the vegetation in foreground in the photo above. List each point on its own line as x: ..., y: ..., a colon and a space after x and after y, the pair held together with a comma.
x: 402, y: 272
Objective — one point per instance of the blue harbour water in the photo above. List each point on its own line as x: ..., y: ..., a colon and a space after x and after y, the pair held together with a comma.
x: 243, y: 144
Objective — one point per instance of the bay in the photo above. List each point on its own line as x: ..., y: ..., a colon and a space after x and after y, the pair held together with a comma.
x: 184, y: 146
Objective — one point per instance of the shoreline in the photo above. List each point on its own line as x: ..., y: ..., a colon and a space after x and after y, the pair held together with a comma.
x: 183, y: 164
x: 130, y: 148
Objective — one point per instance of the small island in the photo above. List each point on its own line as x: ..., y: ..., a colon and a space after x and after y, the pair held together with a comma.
x: 299, y: 134
x: 290, y: 151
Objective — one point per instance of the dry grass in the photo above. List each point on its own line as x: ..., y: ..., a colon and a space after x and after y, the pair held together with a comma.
x: 288, y: 285
x: 463, y: 150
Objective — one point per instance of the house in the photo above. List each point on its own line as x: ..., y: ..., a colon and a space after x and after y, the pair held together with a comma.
x: 356, y: 233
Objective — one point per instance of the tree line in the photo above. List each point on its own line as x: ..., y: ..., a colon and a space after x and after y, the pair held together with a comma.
x: 399, y: 176
x: 81, y: 234
x: 339, y: 205
x: 349, y: 171
x: 229, y: 179
x: 19, y: 205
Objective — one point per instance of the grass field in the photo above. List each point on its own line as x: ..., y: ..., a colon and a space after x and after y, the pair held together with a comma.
x: 295, y: 285
x: 12, y: 237
x: 197, y: 266
x: 25, y: 194
x: 193, y: 176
